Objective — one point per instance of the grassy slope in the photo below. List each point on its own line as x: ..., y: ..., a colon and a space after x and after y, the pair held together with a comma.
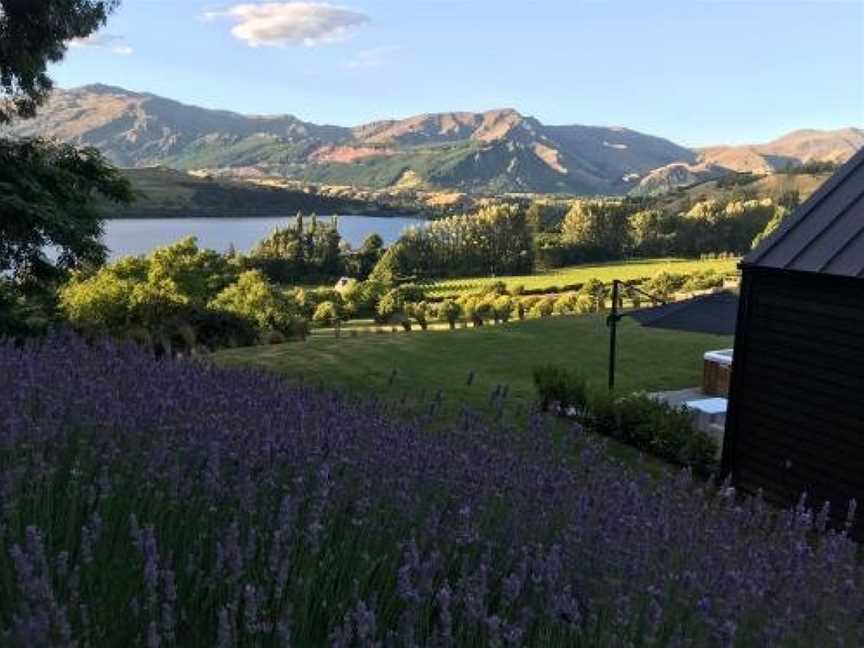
x: 167, y: 193
x: 770, y: 186
x: 648, y: 359
x: 624, y: 270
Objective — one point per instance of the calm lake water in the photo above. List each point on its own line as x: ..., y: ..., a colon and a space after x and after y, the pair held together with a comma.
x: 134, y: 236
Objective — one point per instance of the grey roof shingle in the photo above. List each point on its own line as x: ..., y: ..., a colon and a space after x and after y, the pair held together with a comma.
x: 826, y: 233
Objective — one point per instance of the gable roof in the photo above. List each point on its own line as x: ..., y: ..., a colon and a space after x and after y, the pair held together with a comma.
x: 826, y: 233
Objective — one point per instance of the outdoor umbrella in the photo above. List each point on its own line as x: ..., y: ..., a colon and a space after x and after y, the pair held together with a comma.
x: 715, y: 313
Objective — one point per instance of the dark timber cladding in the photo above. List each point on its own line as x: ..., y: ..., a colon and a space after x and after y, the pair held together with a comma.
x: 796, y: 418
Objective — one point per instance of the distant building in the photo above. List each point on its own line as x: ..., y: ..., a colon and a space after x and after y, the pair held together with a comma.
x: 796, y: 417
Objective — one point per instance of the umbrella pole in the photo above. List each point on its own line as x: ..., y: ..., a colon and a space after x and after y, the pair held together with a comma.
x: 612, y: 323
x: 614, y: 318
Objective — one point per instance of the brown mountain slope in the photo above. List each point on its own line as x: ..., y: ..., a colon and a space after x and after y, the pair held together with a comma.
x: 793, y: 149
x: 493, y: 151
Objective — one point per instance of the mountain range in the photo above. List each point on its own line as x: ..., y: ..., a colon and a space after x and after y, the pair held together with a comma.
x: 489, y: 152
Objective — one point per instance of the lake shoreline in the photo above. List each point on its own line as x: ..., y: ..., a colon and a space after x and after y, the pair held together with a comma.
x: 132, y: 236
x: 191, y: 213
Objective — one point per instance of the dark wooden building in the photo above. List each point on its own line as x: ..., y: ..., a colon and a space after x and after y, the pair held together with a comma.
x: 796, y: 411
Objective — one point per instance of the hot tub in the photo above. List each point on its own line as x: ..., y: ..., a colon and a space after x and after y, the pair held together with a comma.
x: 716, y: 373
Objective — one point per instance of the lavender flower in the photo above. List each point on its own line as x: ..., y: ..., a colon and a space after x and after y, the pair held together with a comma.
x: 171, y: 502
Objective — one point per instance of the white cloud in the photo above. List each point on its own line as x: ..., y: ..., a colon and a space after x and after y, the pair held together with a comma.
x: 280, y: 24
x: 115, y: 43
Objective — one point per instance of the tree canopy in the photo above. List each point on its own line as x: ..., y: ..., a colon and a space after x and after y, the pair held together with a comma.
x: 47, y: 198
x: 34, y: 34
x: 495, y: 240
x: 48, y: 191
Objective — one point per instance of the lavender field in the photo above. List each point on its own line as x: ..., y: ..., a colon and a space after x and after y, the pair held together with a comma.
x: 171, y: 503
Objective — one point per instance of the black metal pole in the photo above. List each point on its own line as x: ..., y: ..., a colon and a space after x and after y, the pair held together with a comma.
x: 612, y: 322
x: 613, y: 333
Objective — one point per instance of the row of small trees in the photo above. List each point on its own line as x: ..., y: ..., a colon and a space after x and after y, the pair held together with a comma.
x: 406, y: 304
x: 508, y: 239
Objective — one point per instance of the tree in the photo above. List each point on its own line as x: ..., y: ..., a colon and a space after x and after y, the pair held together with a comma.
x: 599, y: 227
x: 34, y: 34
x: 543, y: 307
x: 450, y: 311
x: 493, y: 241
x: 255, y: 299
x: 292, y: 252
x: 198, y: 274
x: 389, y: 267
x: 391, y: 308
x: 534, y: 217
x: 664, y: 284
x: 48, y: 197
x: 363, y: 296
x: 368, y: 255
x: 102, y: 300
x: 653, y: 233
x: 420, y: 312
x: 567, y: 304
x: 173, y: 280
x: 595, y: 293
x: 780, y: 215
x: 47, y: 190
x: 503, y: 306
x: 472, y: 307
x: 327, y: 313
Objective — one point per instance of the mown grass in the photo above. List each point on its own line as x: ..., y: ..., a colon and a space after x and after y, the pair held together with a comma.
x: 467, y: 366
x: 425, y: 362
x: 606, y: 272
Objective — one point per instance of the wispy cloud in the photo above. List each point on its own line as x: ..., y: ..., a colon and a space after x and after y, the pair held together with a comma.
x: 372, y: 58
x: 282, y: 24
x: 116, y: 44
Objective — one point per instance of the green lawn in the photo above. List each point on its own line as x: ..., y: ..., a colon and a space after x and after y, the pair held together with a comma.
x: 606, y: 272
x: 425, y: 362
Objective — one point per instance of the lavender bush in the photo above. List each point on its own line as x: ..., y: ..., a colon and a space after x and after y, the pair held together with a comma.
x: 165, y: 503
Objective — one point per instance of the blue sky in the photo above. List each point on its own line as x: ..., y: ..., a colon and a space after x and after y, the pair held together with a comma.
x: 699, y: 73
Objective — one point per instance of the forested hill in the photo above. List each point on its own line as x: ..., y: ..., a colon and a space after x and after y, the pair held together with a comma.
x: 489, y: 152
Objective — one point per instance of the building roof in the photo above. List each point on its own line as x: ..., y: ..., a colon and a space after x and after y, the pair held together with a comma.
x: 715, y: 313
x: 826, y: 233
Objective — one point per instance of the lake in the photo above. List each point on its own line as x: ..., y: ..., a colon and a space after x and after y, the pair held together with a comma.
x: 134, y: 236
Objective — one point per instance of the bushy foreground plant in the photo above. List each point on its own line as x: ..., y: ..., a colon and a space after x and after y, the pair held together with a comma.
x: 653, y: 426
x: 181, y: 287
x: 636, y: 419
x: 562, y: 388
x: 148, y: 503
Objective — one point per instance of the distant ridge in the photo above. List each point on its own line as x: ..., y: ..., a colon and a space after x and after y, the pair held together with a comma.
x: 493, y: 151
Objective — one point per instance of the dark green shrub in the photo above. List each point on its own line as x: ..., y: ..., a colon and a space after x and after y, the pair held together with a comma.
x: 700, y: 453
x: 220, y: 329
x: 603, y: 413
x: 564, y: 387
x: 653, y: 426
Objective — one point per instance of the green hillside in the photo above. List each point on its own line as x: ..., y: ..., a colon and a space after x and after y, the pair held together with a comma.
x: 167, y: 193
